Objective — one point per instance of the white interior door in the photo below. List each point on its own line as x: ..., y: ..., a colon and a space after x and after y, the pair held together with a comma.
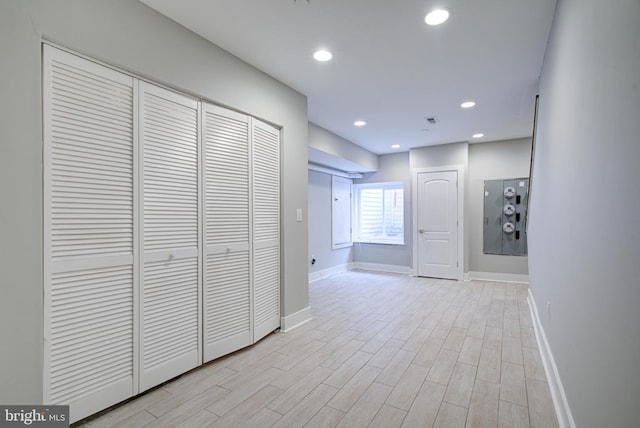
x: 438, y: 224
x: 227, y: 227
x: 170, y: 309
x: 341, y: 212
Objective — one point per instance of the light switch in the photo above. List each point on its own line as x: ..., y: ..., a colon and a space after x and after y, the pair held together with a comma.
x: 299, y: 214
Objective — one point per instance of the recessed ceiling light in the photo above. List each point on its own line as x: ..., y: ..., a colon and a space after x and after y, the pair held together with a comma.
x: 436, y: 17
x: 478, y: 135
x: 468, y: 104
x: 322, y: 55
x: 395, y: 146
x: 359, y: 123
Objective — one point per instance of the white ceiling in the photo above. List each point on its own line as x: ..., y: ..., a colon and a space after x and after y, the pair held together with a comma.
x: 389, y: 68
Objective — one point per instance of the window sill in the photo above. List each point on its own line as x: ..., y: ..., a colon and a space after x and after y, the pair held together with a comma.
x: 379, y: 243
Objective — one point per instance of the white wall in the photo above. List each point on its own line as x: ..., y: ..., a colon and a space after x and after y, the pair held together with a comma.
x: 126, y: 34
x: 584, y: 234
x: 442, y: 155
x: 320, y: 226
x: 482, y: 161
x: 332, y: 147
x: 392, y: 167
x: 492, y: 161
x: 21, y: 315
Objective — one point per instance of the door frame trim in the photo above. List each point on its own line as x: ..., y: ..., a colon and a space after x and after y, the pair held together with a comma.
x: 460, y: 217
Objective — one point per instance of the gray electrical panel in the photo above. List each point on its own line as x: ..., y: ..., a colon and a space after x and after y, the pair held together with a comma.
x: 505, y: 213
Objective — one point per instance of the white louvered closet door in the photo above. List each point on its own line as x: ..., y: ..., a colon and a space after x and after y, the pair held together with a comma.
x: 266, y: 228
x: 89, y: 225
x: 169, y: 319
x: 227, y: 268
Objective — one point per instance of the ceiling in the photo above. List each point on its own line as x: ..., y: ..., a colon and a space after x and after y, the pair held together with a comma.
x: 389, y: 68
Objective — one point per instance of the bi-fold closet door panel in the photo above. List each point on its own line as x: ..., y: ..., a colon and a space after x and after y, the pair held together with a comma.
x: 90, y: 243
x: 161, y: 233
x: 266, y: 228
x: 227, y: 280
x: 241, y: 158
x: 169, y: 244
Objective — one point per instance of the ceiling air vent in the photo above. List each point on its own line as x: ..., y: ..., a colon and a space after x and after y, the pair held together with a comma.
x: 432, y: 120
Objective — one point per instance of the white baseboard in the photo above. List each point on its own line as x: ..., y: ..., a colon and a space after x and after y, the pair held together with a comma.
x: 295, y: 320
x: 325, y: 273
x: 560, y: 404
x: 378, y: 267
x: 496, y: 277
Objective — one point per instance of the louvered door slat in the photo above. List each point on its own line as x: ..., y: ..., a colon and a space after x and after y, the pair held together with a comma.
x: 88, y: 233
x: 266, y: 228
x: 227, y: 280
x: 170, y: 277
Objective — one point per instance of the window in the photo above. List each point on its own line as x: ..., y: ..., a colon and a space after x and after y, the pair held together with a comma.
x: 379, y: 213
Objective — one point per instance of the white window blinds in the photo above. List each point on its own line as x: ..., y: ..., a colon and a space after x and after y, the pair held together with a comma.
x: 380, y: 213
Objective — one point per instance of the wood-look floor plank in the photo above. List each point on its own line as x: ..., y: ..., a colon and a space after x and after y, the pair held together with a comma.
x: 388, y: 417
x: 451, y: 416
x: 386, y: 353
x: 392, y: 373
x: 489, y: 364
x: 338, y: 341
x: 347, y: 370
x: 251, y: 370
x: 470, y: 351
x: 248, y: 408
x: 425, y: 407
x: 416, y: 340
x: 528, y: 336
x: 327, y: 417
x: 511, y: 326
x: 512, y: 349
x: 141, y: 418
x: 365, y: 409
x: 343, y: 354
x: 291, y: 376
x: 296, y: 393
x: 243, y: 391
x: 483, y: 410
x: 541, y: 413
x: 461, y: 385
x: 308, y: 407
x: 455, y: 339
x: 126, y: 410
x: 263, y: 419
x: 382, y: 350
x: 202, y: 419
x: 443, y: 366
x: 293, y: 359
x: 351, y: 392
x: 533, y: 368
x: 189, y: 408
x: 512, y: 415
x: 408, y: 386
x: 427, y: 355
x: 513, y: 388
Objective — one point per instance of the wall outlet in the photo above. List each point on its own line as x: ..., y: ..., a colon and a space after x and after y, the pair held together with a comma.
x: 299, y: 214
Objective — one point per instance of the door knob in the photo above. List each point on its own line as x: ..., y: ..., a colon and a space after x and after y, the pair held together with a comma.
x: 421, y: 230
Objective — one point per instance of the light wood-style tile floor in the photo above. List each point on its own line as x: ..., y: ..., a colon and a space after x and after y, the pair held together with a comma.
x: 382, y: 350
